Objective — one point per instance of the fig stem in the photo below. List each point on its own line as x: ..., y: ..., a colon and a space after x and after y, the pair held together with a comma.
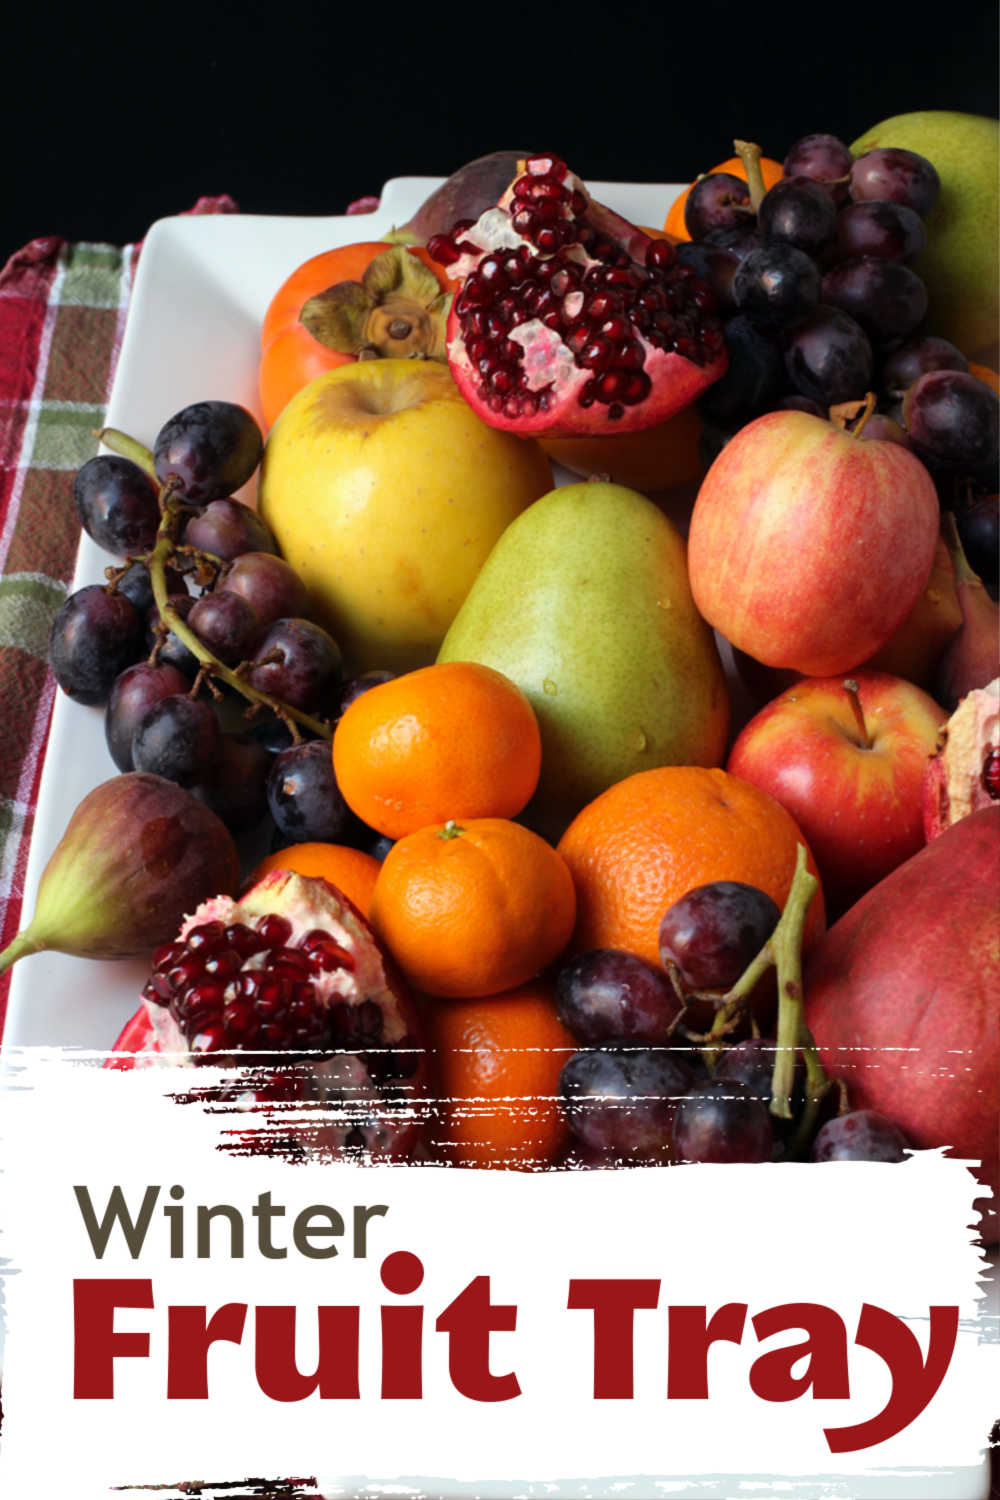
x: 749, y: 154
x: 128, y: 447
x: 17, y: 948
x: 853, y: 692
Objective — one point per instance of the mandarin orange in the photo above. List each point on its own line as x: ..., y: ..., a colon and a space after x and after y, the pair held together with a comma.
x: 495, y: 1064
x: 473, y: 908
x: 645, y: 842
x: 351, y: 870
x: 454, y: 740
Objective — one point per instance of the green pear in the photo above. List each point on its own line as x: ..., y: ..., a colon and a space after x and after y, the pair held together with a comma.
x: 585, y: 603
x: 959, y: 266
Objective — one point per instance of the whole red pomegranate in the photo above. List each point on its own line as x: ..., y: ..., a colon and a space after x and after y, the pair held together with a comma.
x: 293, y: 968
x: 569, y: 319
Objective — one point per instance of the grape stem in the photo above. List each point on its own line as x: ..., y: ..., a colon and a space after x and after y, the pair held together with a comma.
x: 749, y: 154
x: 172, y: 508
x: 782, y: 951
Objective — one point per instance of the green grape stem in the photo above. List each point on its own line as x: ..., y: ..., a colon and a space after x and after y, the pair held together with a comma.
x: 782, y: 951
x: 172, y: 507
x: 749, y: 155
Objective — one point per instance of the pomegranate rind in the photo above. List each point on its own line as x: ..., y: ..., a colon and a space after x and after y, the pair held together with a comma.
x: 953, y: 781
x: 548, y: 401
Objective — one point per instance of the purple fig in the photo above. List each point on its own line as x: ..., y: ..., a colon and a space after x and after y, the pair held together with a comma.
x: 464, y: 195
x: 139, y: 853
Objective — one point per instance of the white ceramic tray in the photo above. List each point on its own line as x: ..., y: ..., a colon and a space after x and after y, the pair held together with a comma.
x: 202, y: 287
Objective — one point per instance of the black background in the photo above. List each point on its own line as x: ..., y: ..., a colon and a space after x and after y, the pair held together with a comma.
x: 113, y: 116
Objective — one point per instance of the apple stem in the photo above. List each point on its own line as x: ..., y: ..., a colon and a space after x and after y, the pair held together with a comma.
x: 853, y: 692
x: 851, y: 416
x: 749, y: 154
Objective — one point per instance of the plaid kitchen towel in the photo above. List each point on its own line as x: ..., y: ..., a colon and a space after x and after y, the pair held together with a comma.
x: 62, y: 315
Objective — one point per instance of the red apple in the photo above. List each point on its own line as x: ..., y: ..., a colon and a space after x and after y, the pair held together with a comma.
x: 849, y: 767
x: 809, y: 545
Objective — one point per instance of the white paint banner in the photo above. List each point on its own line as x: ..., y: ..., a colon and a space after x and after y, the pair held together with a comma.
x: 179, y: 1313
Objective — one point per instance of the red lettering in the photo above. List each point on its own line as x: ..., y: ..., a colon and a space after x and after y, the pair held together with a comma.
x: 402, y: 1329
x: 468, y: 1321
x: 96, y: 1346
x: 190, y: 1334
x: 614, y: 1303
x: 336, y: 1373
x: 914, y: 1381
x: 690, y: 1333
x: 825, y: 1347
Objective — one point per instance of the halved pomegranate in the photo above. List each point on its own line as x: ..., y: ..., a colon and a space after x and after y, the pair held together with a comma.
x: 293, y: 968
x: 569, y: 319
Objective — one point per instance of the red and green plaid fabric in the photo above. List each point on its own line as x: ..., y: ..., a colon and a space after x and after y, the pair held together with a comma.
x: 62, y: 315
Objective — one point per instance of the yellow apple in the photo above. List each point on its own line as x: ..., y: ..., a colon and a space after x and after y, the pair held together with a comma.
x: 386, y: 493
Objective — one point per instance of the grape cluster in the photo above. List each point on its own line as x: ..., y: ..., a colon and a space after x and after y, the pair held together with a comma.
x: 643, y: 1090
x: 202, y: 617
x: 822, y: 306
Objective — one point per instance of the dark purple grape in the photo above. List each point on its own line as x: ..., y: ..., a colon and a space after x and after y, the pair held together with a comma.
x: 890, y: 231
x: 750, y: 1062
x: 884, y: 429
x: 607, y: 995
x: 777, y: 284
x: 300, y: 663
x: 828, y: 357
x: 95, y: 635
x: 711, y: 934
x: 890, y: 173
x: 178, y: 738
x: 134, y: 691
x: 915, y: 357
x: 208, y: 449
x: 136, y: 584
x: 753, y: 379
x: 953, y: 419
x: 355, y: 686
x: 379, y: 845
x: 714, y: 265
x: 171, y: 649
x: 227, y: 528
x: 268, y: 583
x: 117, y: 504
x: 717, y: 201
x: 622, y: 1103
x: 802, y: 403
x: 860, y: 1135
x: 884, y: 296
x: 273, y: 733
x: 227, y: 625
x: 823, y: 159
x: 303, y: 796
x: 235, y: 785
x: 722, y: 1121
x: 978, y: 522
x: 799, y: 212
x: 739, y: 239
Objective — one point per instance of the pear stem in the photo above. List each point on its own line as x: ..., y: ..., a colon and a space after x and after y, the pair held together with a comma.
x: 17, y: 948
x: 853, y: 692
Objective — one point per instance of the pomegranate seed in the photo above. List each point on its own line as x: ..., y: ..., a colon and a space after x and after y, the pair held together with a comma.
x: 239, y: 1020
x: 616, y: 411
x: 186, y: 972
x: 274, y: 930
x: 227, y: 963
x: 441, y: 249
x: 617, y: 329
x: 601, y: 306
x: 167, y: 955
x: 597, y: 354
x: 157, y: 990
x: 523, y: 221
x: 661, y: 254
x: 244, y: 939
x: 630, y: 356
x: 991, y: 775
x: 209, y: 1039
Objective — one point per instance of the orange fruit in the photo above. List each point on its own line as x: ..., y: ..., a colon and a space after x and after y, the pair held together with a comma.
x: 674, y: 222
x: 455, y: 740
x: 648, y: 840
x: 985, y: 374
x: 657, y: 458
x: 496, y: 1064
x: 472, y: 908
x: 351, y: 870
x: 290, y: 355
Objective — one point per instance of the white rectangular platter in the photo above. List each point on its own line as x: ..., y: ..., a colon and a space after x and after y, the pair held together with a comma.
x: 203, y: 285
